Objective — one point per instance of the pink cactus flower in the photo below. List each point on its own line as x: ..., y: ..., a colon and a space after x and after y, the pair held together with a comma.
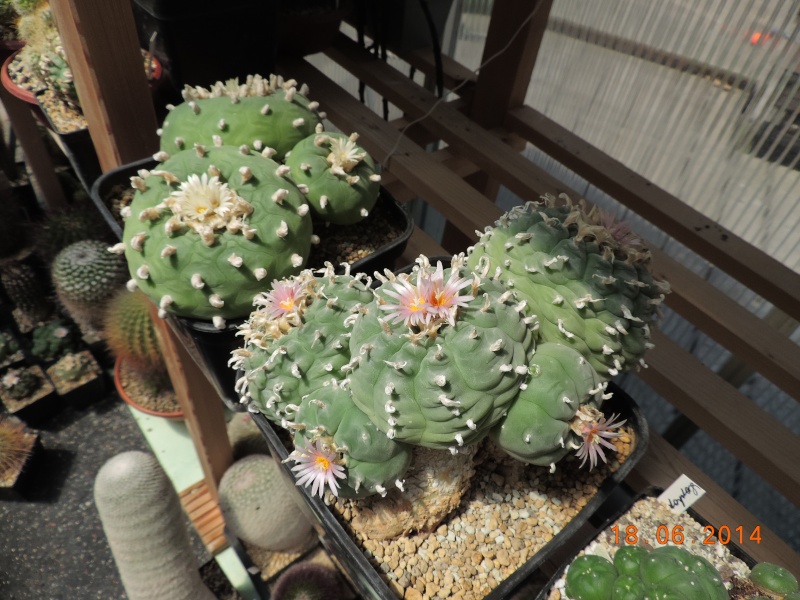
x: 285, y: 299
x: 412, y: 303
x: 596, y: 433
x: 443, y: 298
x: 316, y: 465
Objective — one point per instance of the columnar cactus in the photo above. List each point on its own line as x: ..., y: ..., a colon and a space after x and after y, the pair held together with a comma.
x: 268, y: 115
x: 585, y: 277
x: 144, y: 524
x: 26, y: 291
x: 342, y: 180
x: 129, y: 332
x: 260, y: 508
x: 85, y: 275
x: 666, y: 572
x: 208, y: 226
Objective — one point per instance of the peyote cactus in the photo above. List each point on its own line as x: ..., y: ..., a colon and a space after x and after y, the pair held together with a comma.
x: 341, y: 178
x: 260, y: 508
x: 53, y: 340
x: 144, y: 523
x: 585, y: 277
x: 85, y: 275
x: 773, y: 581
x: 267, y: 115
x: 208, y: 226
x: 20, y: 383
x: 26, y: 291
x: 668, y: 572
x: 308, y: 581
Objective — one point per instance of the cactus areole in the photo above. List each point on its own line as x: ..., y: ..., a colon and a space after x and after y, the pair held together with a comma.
x: 209, y: 228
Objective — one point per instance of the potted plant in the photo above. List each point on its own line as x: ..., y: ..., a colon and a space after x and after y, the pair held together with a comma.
x: 10, y: 350
x: 78, y: 379
x: 394, y: 394
x: 29, y: 294
x: 27, y: 394
x: 51, y: 341
x: 18, y: 446
x: 140, y: 376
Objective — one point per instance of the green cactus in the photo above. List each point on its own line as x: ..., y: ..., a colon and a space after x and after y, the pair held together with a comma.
x: 773, y: 580
x: 585, y: 277
x: 628, y: 558
x: 666, y: 573
x: 260, y: 508
x: 210, y: 228
x: 268, y: 115
x: 537, y: 427
x: 66, y: 227
x: 20, y: 383
x: 8, y: 345
x: 445, y: 380
x: 143, y: 520
x: 85, y: 276
x: 308, y: 581
x: 53, y: 340
x: 129, y: 332
x: 73, y: 367
x: 341, y: 178
x: 26, y: 291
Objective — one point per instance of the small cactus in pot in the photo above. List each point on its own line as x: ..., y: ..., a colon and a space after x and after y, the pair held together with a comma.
x: 20, y: 383
x: 9, y: 347
x: 51, y: 341
x: 269, y: 115
x: 208, y: 226
x: 27, y: 292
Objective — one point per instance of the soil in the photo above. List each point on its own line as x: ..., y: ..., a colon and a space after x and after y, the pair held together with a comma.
x: 64, y: 387
x: 14, y: 405
x: 144, y: 392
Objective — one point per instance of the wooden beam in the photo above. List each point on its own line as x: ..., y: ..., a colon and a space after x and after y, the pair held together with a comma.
x: 662, y: 464
x: 754, y: 436
x: 99, y: 38
x: 754, y: 268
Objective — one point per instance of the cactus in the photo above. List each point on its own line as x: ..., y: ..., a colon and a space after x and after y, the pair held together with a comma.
x: 26, y: 290
x: 63, y: 228
x: 773, y: 580
x: 73, y: 367
x: 586, y: 278
x: 144, y: 524
x: 85, y: 276
x: 260, y: 508
x: 538, y: 426
x: 53, y: 340
x: 308, y: 581
x: 14, y: 446
x: 667, y: 572
x: 341, y: 177
x: 444, y: 378
x: 20, y: 383
x: 208, y: 226
x: 129, y: 332
x: 267, y: 115
x: 8, y: 346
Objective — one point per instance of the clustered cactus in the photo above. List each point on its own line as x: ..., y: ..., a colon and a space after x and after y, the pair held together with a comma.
x: 518, y: 349
x: 664, y: 572
x: 221, y: 217
x: 53, y: 340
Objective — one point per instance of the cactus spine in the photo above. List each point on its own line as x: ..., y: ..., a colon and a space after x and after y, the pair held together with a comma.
x: 144, y: 524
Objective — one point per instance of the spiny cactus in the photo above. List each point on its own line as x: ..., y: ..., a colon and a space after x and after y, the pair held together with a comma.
x: 208, y: 226
x: 585, y: 277
x: 73, y: 367
x: 26, y: 291
x: 129, y: 332
x: 260, y: 508
x: 341, y: 178
x: 666, y: 572
x: 20, y: 383
x: 773, y: 581
x: 268, y: 115
x: 144, y: 524
x: 85, y: 275
x: 66, y: 227
x: 308, y: 581
x: 14, y: 445
x: 50, y: 341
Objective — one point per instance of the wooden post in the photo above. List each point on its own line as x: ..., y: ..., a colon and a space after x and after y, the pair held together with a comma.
x: 99, y: 38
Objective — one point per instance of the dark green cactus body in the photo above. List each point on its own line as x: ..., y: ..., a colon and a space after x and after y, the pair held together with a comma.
x: 590, y: 578
x: 280, y: 371
x: 536, y: 428
x: 342, y: 182
x: 628, y: 587
x: 20, y: 383
x: 373, y: 462
x: 259, y: 113
x: 444, y: 390
x: 670, y: 569
x: 54, y: 340
x: 628, y: 558
x: 588, y: 290
x: 210, y: 229
x: 26, y: 291
x: 773, y: 579
x: 85, y: 273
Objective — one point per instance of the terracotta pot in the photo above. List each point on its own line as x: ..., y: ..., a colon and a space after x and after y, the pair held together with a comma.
x: 174, y: 416
x: 13, y: 88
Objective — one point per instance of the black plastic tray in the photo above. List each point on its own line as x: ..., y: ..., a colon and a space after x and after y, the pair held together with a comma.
x: 631, y: 499
x: 365, y: 579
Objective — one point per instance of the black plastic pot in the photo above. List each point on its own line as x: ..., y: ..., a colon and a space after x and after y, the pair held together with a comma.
x: 39, y: 408
x: 79, y: 397
x: 543, y: 590
x: 104, y: 185
x: 365, y: 579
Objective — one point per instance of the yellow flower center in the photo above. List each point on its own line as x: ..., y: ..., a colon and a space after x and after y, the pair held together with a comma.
x: 201, y: 210
x: 440, y: 299
x: 286, y: 304
x: 322, y: 463
x: 418, y: 304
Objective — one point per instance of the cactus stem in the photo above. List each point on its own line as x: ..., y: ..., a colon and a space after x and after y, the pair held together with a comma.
x: 168, y: 251
x: 563, y: 330
x: 215, y: 301
x: 143, y: 272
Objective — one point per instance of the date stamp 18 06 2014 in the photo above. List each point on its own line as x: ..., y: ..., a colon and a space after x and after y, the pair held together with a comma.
x: 675, y: 535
